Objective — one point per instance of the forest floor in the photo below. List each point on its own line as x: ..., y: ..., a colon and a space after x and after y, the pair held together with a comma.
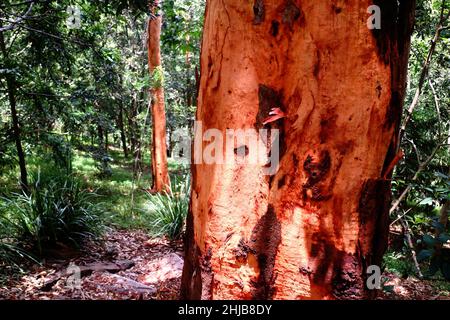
x: 129, y: 265
x: 126, y: 265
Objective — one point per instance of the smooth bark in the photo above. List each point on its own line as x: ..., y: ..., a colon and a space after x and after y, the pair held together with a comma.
x: 311, y: 230
x: 160, y: 175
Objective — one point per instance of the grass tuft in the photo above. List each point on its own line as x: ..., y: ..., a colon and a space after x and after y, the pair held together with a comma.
x: 167, y: 212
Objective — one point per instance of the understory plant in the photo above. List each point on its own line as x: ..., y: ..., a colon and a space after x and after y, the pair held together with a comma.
x: 54, y: 212
x: 167, y: 212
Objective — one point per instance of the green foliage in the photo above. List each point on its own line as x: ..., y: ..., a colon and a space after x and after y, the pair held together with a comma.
x: 56, y: 148
x: 157, y: 77
x: 121, y: 193
x: 55, y: 211
x: 399, y: 263
x: 433, y: 251
x: 167, y: 212
x: 10, y: 251
x: 425, y: 134
x: 104, y: 169
x: 180, y: 45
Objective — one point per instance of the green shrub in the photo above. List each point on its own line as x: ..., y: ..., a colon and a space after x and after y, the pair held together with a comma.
x: 437, y: 257
x: 399, y: 263
x: 10, y: 251
x: 167, y: 212
x: 55, y: 211
x: 61, y: 152
x: 103, y: 165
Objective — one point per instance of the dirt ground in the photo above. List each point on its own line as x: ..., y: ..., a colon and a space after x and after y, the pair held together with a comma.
x: 151, y: 270
x: 129, y: 265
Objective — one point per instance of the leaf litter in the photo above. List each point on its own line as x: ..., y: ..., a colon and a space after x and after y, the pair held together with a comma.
x: 126, y: 265
x: 130, y: 265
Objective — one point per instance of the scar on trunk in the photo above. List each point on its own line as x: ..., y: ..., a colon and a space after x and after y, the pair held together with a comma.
x: 396, y: 27
x: 374, y: 219
x: 385, y: 36
x: 394, y: 111
x: 379, y: 89
x: 291, y: 13
x: 316, y: 172
x: 192, y: 279
x: 269, y: 98
x: 282, y: 181
x: 336, y: 9
x: 265, y: 239
x: 275, y: 27
x: 259, y: 11
x: 330, y: 264
x: 242, y: 250
x: 207, y: 275
x: 349, y: 279
x: 328, y: 127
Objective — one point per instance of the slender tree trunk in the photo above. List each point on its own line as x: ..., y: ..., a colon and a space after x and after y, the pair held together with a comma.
x: 100, y: 136
x: 41, y: 123
x: 311, y: 230
x: 106, y: 141
x: 92, y: 138
x: 160, y: 173
x: 11, y: 87
x: 134, y: 135
x: 131, y: 120
x: 188, y: 75
x: 171, y: 143
x: 123, y: 136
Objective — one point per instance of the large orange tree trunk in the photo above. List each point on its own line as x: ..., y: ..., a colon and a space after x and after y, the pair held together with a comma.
x: 310, y: 230
x: 160, y: 176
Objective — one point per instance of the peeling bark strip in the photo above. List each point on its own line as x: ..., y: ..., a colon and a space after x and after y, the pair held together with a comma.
x: 310, y: 230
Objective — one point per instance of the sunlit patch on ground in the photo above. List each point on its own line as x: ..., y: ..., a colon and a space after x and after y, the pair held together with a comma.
x: 155, y: 274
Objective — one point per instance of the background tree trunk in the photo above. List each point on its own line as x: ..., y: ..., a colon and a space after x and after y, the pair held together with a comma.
x: 11, y: 88
x: 123, y: 136
x: 135, y: 139
x: 100, y: 136
x: 106, y: 141
x: 160, y: 176
x: 311, y: 230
